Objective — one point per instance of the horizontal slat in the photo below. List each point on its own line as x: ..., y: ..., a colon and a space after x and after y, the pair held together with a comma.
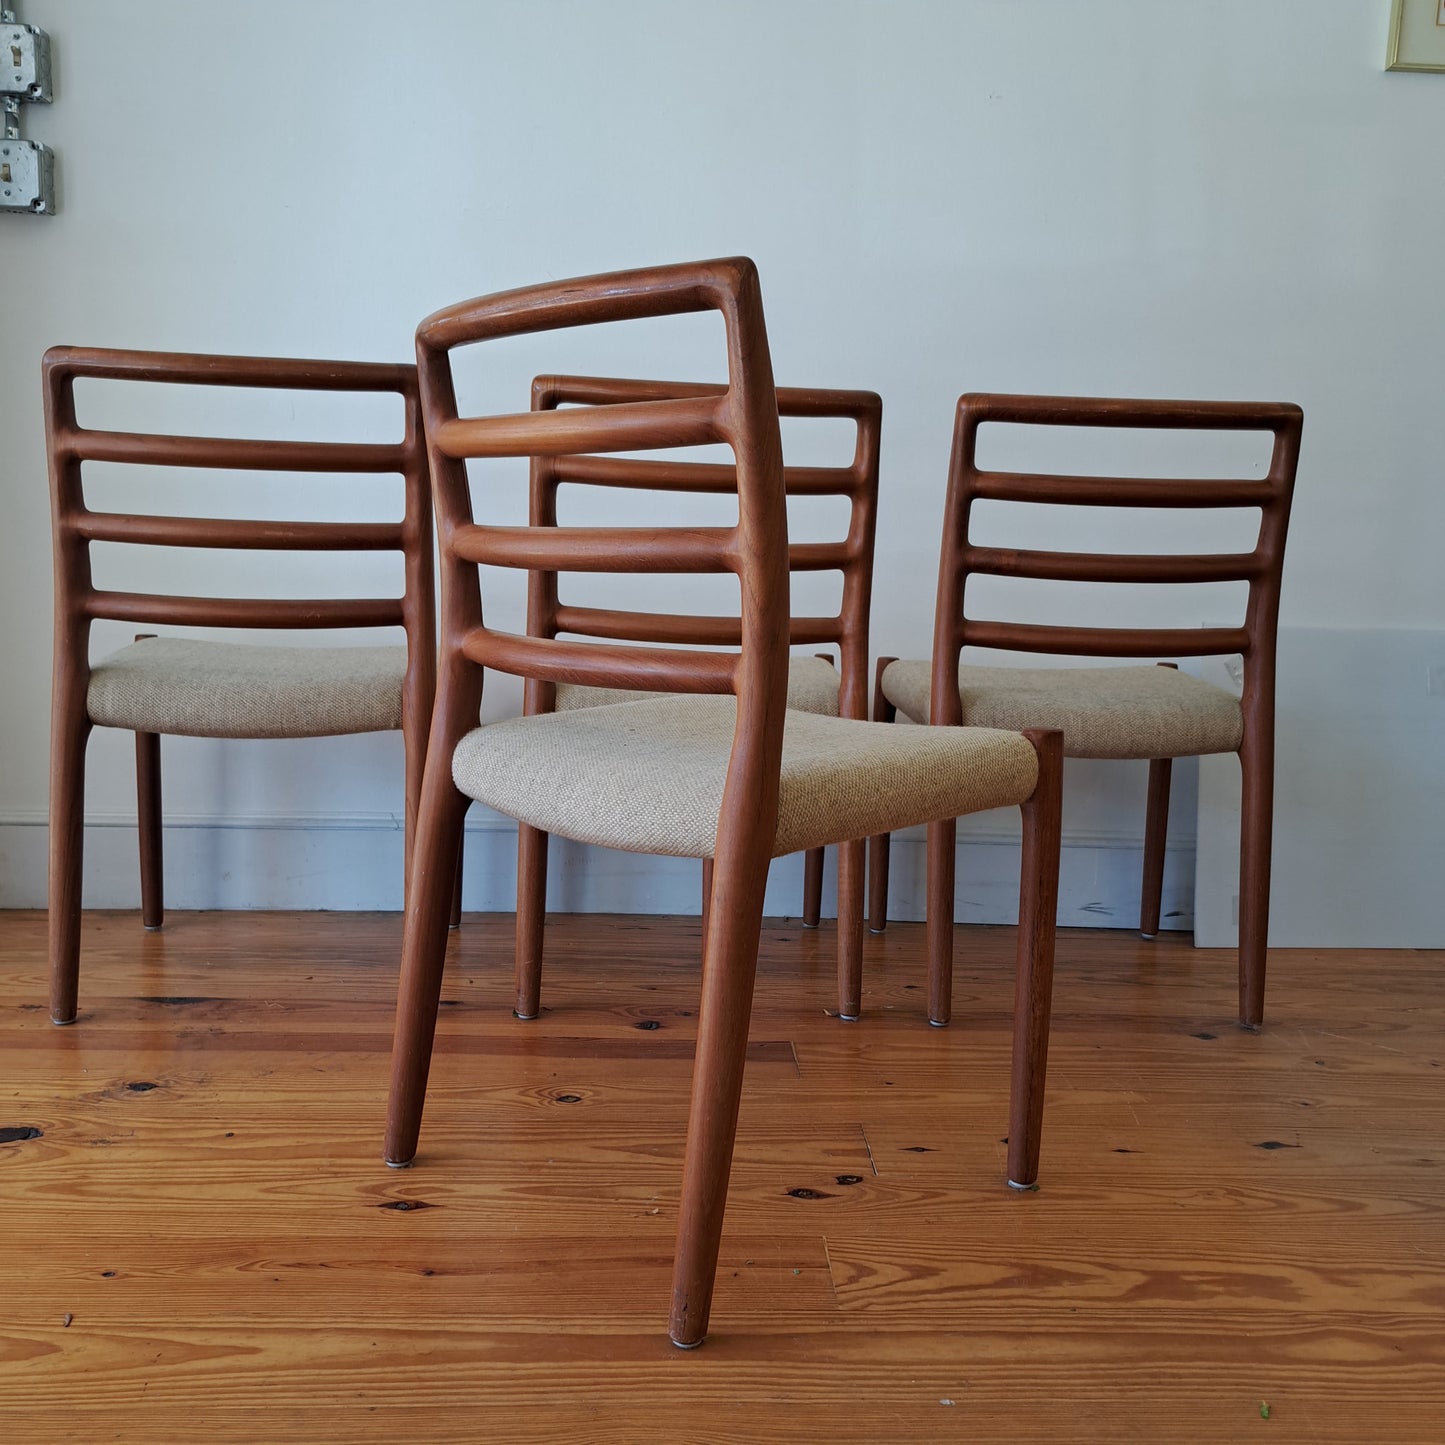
x: 286, y: 372
x: 232, y: 453
x: 598, y: 664
x: 794, y: 401
x: 599, y: 549
x: 670, y: 627
x: 710, y: 477
x: 1129, y: 412
x: 1105, y: 641
x: 1110, y: 567
x: 819, y: 556
x: 245, y: 611
x: 234, y: 533
x: 1118, y: 491
x: 627, y: 426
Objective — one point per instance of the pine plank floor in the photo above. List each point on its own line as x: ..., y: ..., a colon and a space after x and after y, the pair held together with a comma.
x: 201, y: 1243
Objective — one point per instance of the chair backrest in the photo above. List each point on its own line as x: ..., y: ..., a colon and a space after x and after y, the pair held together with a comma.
x: 547, y: 615
x: 1260, y: 568
x: 76, y: 526
x: 742, y: 415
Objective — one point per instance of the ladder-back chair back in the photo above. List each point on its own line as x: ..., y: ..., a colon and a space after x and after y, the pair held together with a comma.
x: 814, y: 685
x: 221, y: 689
x: 1153, y: 713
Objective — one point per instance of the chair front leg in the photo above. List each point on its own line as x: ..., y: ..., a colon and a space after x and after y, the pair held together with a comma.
x: 454, y: 919
x: 1256, y: 761
x: 1034, y: 976
x: 812, y: 887
x: 148, y: 829
x: 706, y: 910
x: 148, y: 823
x: 942, y: 837
x: 851, y: 862
x: 531, y: 918
x: 879, y: 845
x: 69, y: 733
x: 1156, y: 828
x: 423, y: 954
x: 730, y: 957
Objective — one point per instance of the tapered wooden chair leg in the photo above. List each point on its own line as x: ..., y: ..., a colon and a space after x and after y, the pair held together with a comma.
x: 454, y: 916
x: 1034, y: 977
x: 879, y: 845
x: 941, y: 840
x: 706, y: 897
x: 531, y: 918
x: 70, y: 730
x: 148, y: 829
x: 730, y: 956
x: 850, y: 929
x: 812, y: 887
x: 1156, y: 828
x: 1256, y: 760
x: 423, y: 954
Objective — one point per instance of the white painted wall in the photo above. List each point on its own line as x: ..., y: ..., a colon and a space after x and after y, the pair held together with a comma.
x: 1140, y: 197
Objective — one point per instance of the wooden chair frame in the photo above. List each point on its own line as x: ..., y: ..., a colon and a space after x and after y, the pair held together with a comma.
x: 847, y: 629
x: 78, y: 602
x: 961, y: 558
x: 744, y: 416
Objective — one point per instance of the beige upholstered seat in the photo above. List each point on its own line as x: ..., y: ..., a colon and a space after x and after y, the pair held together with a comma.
x: 812, y: 687
x: 648, y: 776
x: 1103, y: 712
x: 237, y: 690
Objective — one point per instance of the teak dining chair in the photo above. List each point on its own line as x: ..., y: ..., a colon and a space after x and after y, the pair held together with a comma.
x: 814, y: 683
x: 1158, y: 713
x: 730, y: 774
x: 206, y: 687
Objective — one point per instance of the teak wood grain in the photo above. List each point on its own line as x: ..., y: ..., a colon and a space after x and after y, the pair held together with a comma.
x: 227, y: 1248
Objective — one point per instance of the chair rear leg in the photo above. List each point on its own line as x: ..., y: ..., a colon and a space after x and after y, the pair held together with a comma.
x: 730, y: 957
x: 1255, y: 842
x: 851, y: 857
x: 1156, y: 828
x: 531, y: 918
x: 706, y: 912
x: 70, y: 731
x: 879, y: 844
x: 812, y: 887
x: 454, y: 918
x: 941, y: 840
x: 423, y: 954
x: 148, y: 829
x: 1034, y: 976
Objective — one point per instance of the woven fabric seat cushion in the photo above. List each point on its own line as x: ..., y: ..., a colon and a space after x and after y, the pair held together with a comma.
x: 812, y: 687
x: 1103, y: 712
x: 237, y: 690
x: 648, y: 776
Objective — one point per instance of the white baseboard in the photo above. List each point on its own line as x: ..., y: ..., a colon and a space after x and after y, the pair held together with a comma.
x: 350, y: 863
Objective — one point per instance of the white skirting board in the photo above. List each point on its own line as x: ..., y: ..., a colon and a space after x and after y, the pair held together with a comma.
x: 1359, y: 820
x: 355, y: 864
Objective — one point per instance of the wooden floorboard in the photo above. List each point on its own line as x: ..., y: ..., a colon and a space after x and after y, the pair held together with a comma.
x: 202, y: 1244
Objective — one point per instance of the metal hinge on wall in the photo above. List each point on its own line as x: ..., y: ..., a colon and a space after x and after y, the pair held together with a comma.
x: 27, y: 168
